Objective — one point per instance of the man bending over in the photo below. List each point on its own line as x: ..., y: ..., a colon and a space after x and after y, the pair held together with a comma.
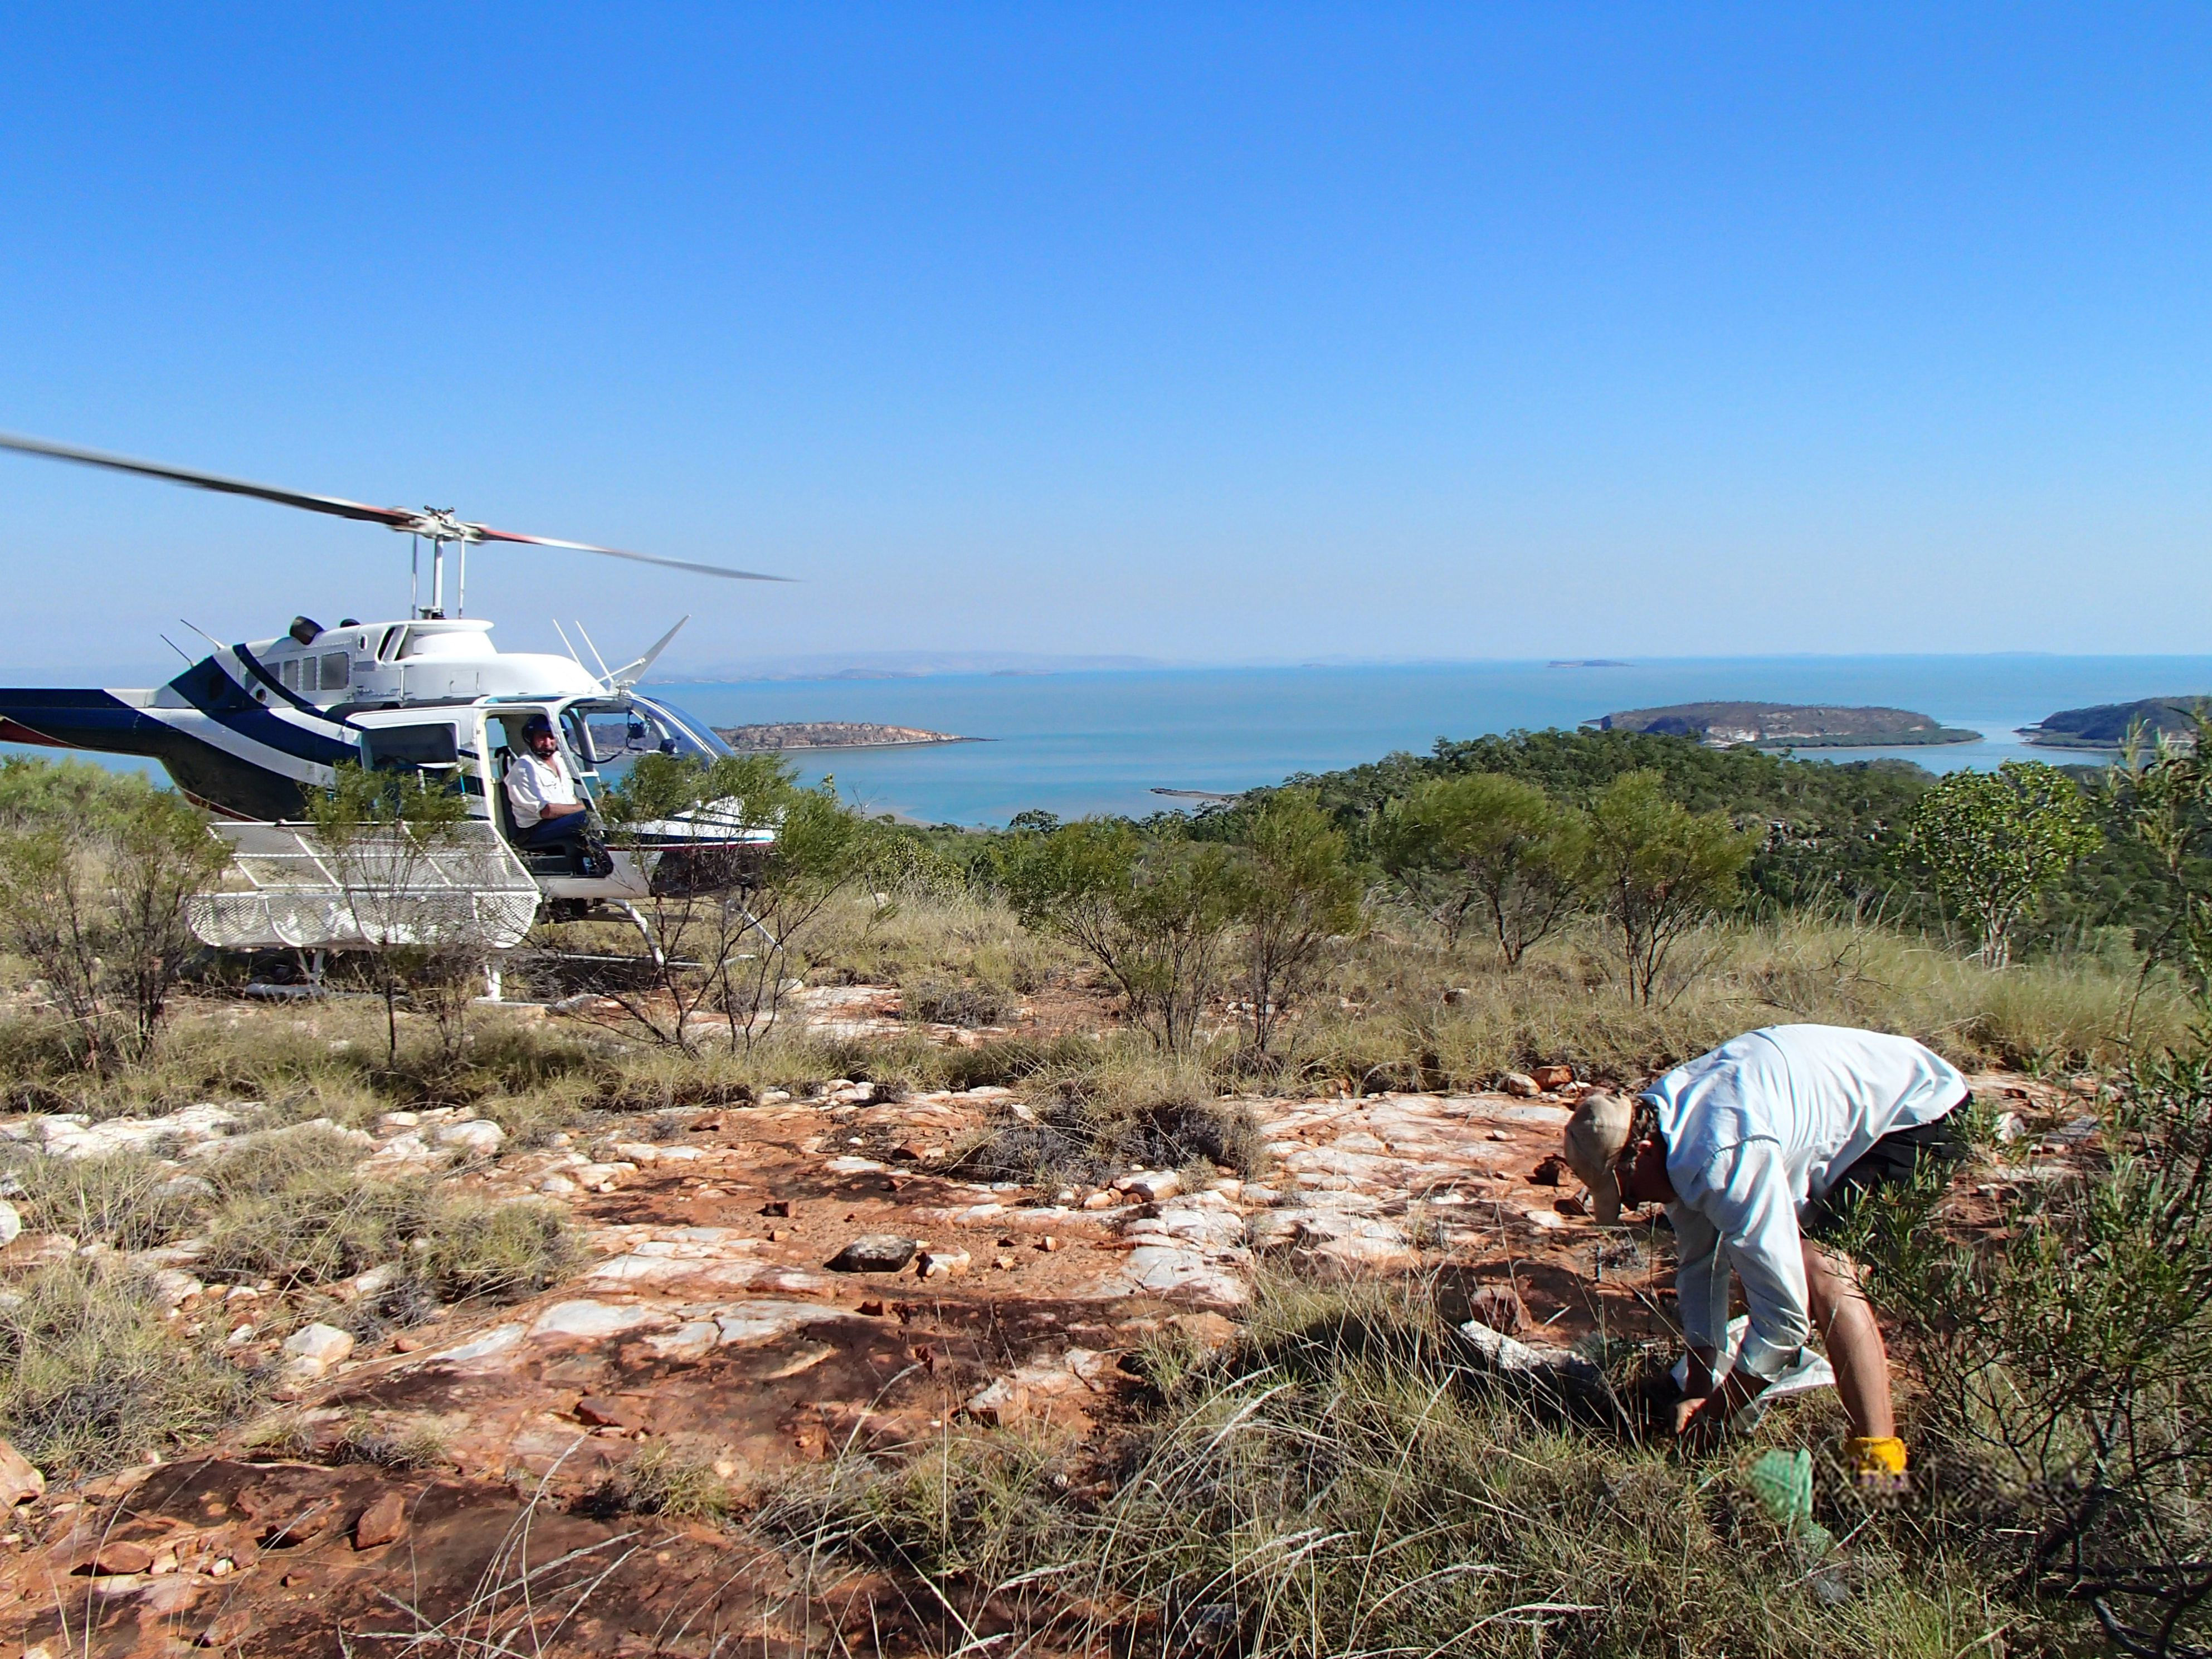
x: 1757, y: 1150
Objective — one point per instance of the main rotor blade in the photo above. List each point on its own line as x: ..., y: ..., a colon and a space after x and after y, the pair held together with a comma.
x: 485, y: 533
x: 396, y: 517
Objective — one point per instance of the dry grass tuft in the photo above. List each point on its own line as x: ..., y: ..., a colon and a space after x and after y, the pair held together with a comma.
x: 1346, y: 1481
x: 93, y: 1376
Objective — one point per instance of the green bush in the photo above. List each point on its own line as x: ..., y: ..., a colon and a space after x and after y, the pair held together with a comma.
x: 2065, y: 1364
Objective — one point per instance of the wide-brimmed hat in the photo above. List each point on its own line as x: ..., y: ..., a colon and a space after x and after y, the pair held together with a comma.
x: 1592, y: 1143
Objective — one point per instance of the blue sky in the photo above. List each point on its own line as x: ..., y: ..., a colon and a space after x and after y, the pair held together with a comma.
x: 1199, y: 332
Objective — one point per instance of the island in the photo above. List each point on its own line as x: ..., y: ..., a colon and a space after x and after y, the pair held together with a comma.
x: 830, y: 734
x: 1786, y: 726
x: 2106, y: 725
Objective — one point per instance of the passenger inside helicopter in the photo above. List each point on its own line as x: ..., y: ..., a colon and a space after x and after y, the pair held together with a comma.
x: 548, y: 809
x: 547, y: 806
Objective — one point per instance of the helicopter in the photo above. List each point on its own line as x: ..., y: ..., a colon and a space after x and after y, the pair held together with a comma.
x: 249, y: 729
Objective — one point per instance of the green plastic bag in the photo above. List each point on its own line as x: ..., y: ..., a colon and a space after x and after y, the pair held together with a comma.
x: 1783, y: 1481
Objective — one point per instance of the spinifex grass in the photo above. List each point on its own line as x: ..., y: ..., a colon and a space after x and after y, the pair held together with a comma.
x: 1344, y: 1481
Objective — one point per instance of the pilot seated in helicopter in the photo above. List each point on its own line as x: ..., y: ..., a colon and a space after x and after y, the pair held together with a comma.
x: 549, y: 809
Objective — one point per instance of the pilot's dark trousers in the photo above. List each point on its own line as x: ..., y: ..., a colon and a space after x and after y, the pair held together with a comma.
x: 554, y: 832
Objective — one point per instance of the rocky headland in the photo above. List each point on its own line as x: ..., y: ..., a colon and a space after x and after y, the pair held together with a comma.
x: 1787, y: 726
x: 830, y: 734
x: 2107, y: 725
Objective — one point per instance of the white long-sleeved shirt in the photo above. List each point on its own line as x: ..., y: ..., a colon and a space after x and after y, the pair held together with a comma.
x: 532, y: 784
x: 1758, y: 1130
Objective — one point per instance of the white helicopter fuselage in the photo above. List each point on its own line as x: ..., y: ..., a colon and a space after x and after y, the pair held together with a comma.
x: 248, y: 730
x: 251, y: 729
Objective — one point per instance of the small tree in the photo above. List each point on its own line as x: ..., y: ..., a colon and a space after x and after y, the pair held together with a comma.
x: 2162, y: 794
x: 1154, y: 912
x: 1993, y: 843
x: 382, y: 831
x: 2067, y: 1359
x: 1485, y: 844
x: 1300, y: 892
x: 724, y: 922
x: 94, y: 870
x: 1658, y: 869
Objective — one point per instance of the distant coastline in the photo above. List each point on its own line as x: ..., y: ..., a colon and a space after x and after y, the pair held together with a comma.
x: 777, y: 736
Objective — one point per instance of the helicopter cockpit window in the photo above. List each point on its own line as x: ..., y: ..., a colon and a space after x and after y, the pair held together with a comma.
x: 617, y: 734
x: 576, y: 731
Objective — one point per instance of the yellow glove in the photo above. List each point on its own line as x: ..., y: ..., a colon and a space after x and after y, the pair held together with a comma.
x: 1878, y: 1462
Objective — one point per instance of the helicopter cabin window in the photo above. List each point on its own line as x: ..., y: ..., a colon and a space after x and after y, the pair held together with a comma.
x: 334, y: 667
x: 411, y: 748
x: 619, y: 733
x: 288, y: 672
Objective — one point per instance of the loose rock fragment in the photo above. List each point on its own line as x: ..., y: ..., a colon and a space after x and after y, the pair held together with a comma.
x: 313, y: 1352
x: 1500, y: 1308
x: 607, y: 1413
x: 380, y: 1523
x: 875, y: 1253
x: 114, y: 1556
x: 478, y: 1137
x: 19, y: 1481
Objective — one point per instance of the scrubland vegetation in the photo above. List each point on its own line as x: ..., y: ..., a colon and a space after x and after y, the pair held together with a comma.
x: 1347, y: 1477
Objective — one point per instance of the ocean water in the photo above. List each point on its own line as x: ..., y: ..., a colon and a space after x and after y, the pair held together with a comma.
x: 1074, y: 744
x: 1102, y: 741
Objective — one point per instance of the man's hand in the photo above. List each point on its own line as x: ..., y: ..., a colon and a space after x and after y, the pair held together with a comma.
x: 1702, y: 1419
x: 1702, y: 1424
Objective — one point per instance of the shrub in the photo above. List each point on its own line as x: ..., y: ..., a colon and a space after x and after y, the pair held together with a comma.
x: 1658, y: 870
x: 94, y: 875
x: 724, y: 928
x: 1300, y: 897
x: 1154, y: 912
x: 1484, y: 845
x: 2067, y: 1364
x: 1993, y: 843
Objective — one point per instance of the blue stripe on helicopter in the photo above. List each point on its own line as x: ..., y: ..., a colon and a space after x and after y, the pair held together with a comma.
x: 224, y: 700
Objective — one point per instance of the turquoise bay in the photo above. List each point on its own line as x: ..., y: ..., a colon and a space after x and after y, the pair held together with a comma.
x: 1074, y: 744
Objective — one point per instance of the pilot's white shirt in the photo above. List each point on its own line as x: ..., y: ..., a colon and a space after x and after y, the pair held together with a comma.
x: 533, y: 785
